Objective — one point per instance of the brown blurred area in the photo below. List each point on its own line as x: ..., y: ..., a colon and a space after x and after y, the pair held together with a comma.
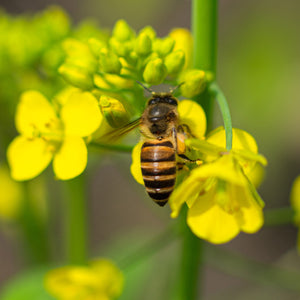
x: 258, y: 70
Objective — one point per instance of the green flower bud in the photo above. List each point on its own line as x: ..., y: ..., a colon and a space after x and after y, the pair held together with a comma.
x: 80, y: 55
x: 149, y: 31
x: 120, y: 48
x: 122, y: 31
x: 96, y: 46
x: 194, y: 82
x: 76, y: 76
x: 143, y: 45
x: 155, y: 71
x: 113, y: 111
x: 163, y: 46
x: 175, y: 62
x: 109, y: 62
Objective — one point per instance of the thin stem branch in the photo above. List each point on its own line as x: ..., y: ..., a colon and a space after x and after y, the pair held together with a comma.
x: 218, y: 94
x: 237, y: 265
x: 279, y: 216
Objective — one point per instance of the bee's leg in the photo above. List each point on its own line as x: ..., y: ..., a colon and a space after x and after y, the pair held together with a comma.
x: 186, y: 159
x: 182, y: 166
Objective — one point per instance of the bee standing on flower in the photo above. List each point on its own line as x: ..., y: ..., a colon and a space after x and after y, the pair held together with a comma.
x: 163, y: 137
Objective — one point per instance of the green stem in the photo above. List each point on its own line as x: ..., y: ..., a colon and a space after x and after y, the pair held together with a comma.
x: 218, y: 94
x: 76, y: 227
x: 112, y: 147
x: 279, y: 216
x: 34, y: 231
x: 204, y: 29
x: 188, y: 285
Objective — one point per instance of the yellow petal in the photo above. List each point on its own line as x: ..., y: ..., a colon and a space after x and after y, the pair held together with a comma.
x: 35, y: 113
x: 210, y: 222
x: 295, y: 194
x: 135, y: 167
x: 251, y: 217
x: 71, y: 159
x: 224, y: 168
x: 193, y: 115
x: 10, y: 196
x: 240, y: 139
x: 81, y: 114
x: 28, y: 157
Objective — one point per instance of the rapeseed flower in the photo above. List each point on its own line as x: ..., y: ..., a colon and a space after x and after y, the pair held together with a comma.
x: 48, y: 134
x: 100, y: 280
x: 221, y: 199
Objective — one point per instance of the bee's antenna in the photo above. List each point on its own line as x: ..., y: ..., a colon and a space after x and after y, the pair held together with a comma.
x: 176, y: 87
x: 147, y: 89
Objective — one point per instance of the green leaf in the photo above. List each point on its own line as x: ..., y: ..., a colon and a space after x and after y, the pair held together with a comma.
x: 29, y: 285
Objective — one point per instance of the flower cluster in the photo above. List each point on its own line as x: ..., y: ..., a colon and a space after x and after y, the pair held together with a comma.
x: 103, y: 94
x: 220, y: 194
x: 101, y: 279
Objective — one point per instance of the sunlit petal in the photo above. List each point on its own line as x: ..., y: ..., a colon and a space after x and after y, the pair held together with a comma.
x: 28, y: 157
x: 71, y: 159
x: 35, y: 113
x: 135, y: 167
x: 210, y: 222
x: 81, y: 114
x: 193, y: 115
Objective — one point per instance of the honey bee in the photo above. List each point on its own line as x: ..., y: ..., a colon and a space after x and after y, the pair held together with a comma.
x: 163, y: 142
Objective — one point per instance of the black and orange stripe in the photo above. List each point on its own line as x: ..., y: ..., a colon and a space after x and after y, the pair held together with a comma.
x: 158, y: 162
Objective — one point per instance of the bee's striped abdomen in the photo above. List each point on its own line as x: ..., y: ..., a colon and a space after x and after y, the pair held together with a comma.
x: 158, y: 164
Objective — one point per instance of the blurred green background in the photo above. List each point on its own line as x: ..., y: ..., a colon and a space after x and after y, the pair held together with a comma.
x: 258, y: 70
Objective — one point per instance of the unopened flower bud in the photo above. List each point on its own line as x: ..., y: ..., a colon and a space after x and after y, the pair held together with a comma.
x: 194, y: 82
x: 155, y: 71
x: 149, y: 31
x: 174, y: 62
x: 163, y: 46
x: 143, y: 45
x: 121, y: 48
x: 113, y: 111
x: 183, y: 41
x: 122, y: 31
x: 96, y: 46
x: 109, y: 62
x: 76, y: 76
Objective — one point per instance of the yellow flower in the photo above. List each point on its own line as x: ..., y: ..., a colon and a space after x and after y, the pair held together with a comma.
x: 11, y: 196
x: 100, y: 280
x: 221, y: 199
x: 191, y: 114
x: 295, y: 202
x: 46, y: 135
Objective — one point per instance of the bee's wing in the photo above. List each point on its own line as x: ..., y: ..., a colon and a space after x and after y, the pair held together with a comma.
x: 119, y: 132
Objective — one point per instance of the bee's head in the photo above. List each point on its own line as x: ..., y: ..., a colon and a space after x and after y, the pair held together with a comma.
x: 162, y: 110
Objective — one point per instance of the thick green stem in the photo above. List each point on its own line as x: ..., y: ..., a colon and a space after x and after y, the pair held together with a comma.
x: 204, y: 29
x: 188, y: 285
x: 76, y: 227
x: 34, y: 228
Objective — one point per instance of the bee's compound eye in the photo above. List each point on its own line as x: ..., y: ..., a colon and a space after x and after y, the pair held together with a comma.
x: 172, y: 101
x: 153, y: 101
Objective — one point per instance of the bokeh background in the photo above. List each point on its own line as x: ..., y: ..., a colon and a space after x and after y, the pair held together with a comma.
x: 259, y: 70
